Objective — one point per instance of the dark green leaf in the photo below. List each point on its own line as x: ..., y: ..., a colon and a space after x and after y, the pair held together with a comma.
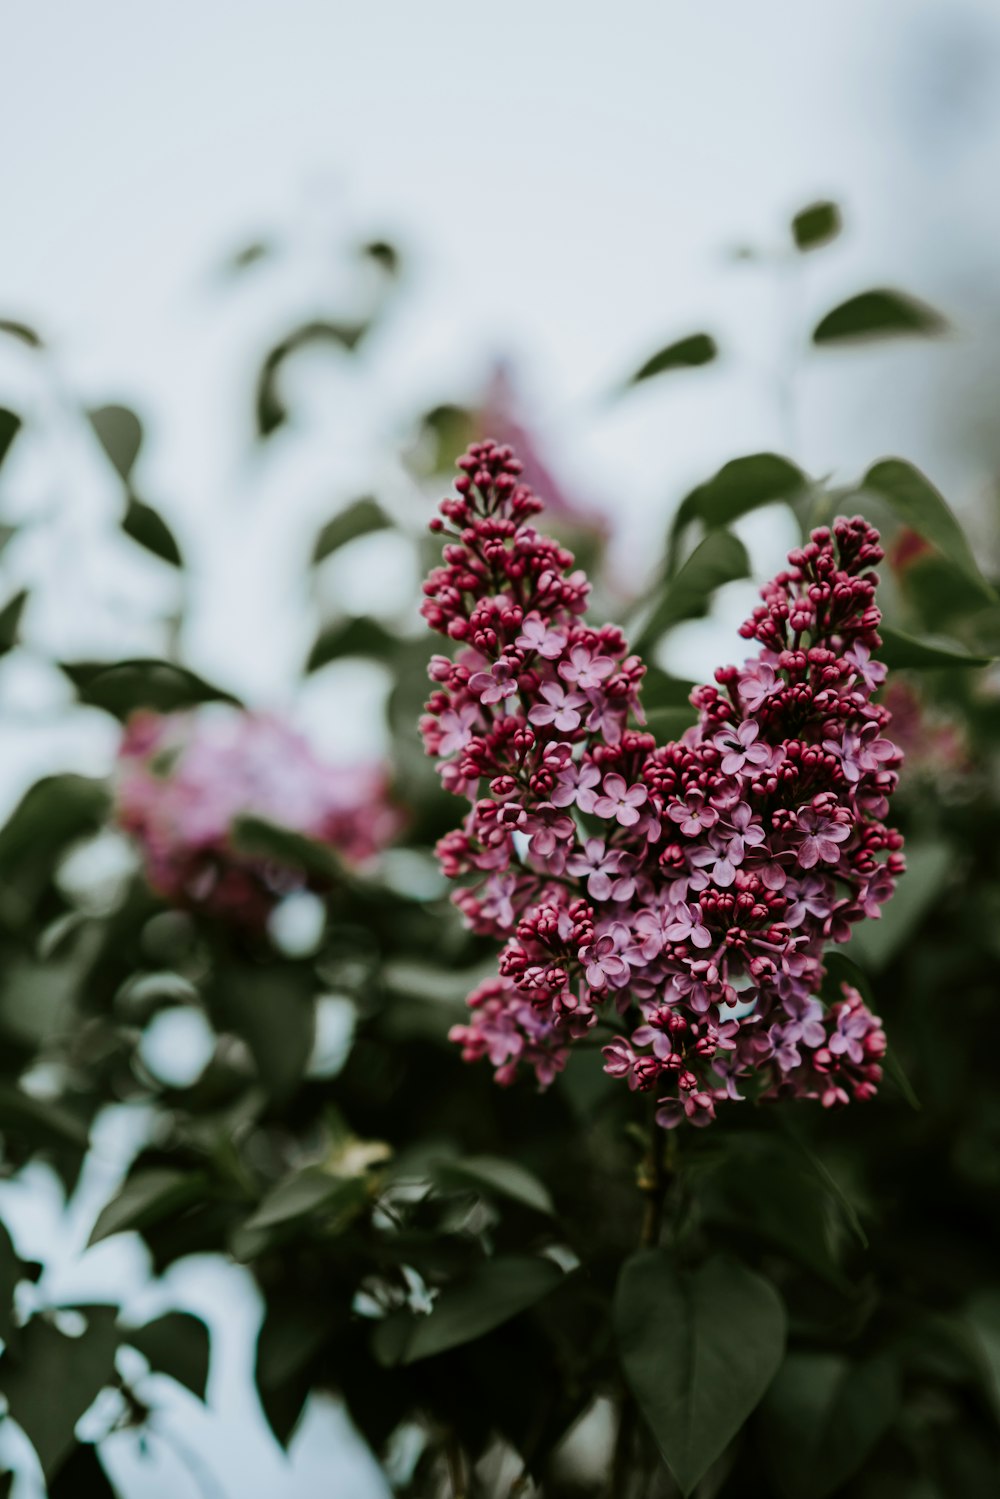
x: 919, y: 505
x: 252, y: 835
x: 360, y: 636
x: 11, y: 1272
x: 21, y: 332
x: 146, y: 526
x: 982, y: 1317
x: 10, y: 620
x: 880, y: 313
x: 147, y: 1197
x: 668, y: 724
x: 821, y: 1418
x: 816, y: 225
x: 52, y: 814
x: 781, y: 1206
x: 275, y: 1013
x: 120, y: 687
x: 119, y: 432
x: 497, y: 1176
x: 685, y: 354
x: 699, y: 1349
x: 10, y: 426
x: 291, y: 1335
x: 54, y: 1379
x: 307, y: 1192
x: 900, y: 650
x: 358, y: 519
x: 272, y: 412
x: 385, y: 255
x: 40, y: 1121
x: 82, y: 1476
x: 496, y: 1291
x: 176, y: 1344
x: 720, y: 558
x: 740, y: 486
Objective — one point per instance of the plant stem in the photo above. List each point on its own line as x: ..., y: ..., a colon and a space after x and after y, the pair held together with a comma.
x: 654, y: 1178
x: 456, y: 1467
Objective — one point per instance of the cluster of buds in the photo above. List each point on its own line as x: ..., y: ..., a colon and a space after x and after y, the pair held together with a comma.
x: 184, y: 780
x: 673, y: 899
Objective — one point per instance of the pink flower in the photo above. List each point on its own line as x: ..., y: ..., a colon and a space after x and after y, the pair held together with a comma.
x: 740, y: 747
x: 584, y: 669
x: 823, y: 834
x: 538, y: 636
x: 495, y: 685
x: 620, y: 801
x: 560, y: 708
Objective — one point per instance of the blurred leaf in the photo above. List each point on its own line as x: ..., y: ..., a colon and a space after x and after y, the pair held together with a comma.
x: 10, y: 426
x: 81, y: 1476
x: 54, y: 1379
x: 272, y: 412
x: 899, y: 651
x: 274, y: 1011
x: 919, y: 505
x: 742, y: 485
x: 146, y: 526
x: 119, y: 687
x: 10, y: 619
x: 685, y: 354
x: 668, y: 724
x: 821, y: 1418
x: 495, y: 1175
x: 881, y: 313
x: 699, y: 1349
x: 385, y: 255
x: 660, y: 690
x: 253, y: 835
x: 41, y: 1121
x: 778, y: 1204
x: 257, y: 250
x: 928, y: 864
x: 719, y: 559
x: 358, y: 519
x: 176, y: 1344
x: 11, y: 1273
x: 290, y: 1336
x: 445, y: 431
x: 119, y: 432
x: 982, y: 1317
x: 307, y: 1192
x: 496, y: 1291
x: 52, y: 814
x: 816, y: 225
x: 146, y: 1197
x: 21, y: 332
x: 360, y: 636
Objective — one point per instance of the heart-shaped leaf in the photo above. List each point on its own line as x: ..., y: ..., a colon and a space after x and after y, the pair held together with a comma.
x: 699, y: 1349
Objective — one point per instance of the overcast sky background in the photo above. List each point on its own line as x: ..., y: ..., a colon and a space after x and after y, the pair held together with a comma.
x: 566, y: 180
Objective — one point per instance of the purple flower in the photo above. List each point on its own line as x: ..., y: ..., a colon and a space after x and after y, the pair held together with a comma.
x: 695, y: 814
x: 740, y: 748
x: 823, y: 834
x: 576, y: 784
x: 560, y: 708
x: 584, y: 669
x: 456, y: 727
x: 599, y: 865
x: 687, y: 926
x: 538, y: 636
x: 602, y: 965
x: 495, y: 685
x: 758, y: 681
x: 620, y: 801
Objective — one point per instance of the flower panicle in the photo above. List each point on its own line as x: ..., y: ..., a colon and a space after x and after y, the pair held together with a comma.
x: 675, y: 899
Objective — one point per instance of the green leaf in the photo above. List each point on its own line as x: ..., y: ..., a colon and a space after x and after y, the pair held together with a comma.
x: 21, y: 332
x: 919, y: 505
x: 742, y: 485
x: 253, y: 835
x: 779, y: 1205
x: 719, y: 559
x: 81, y: 1476
x: 11, y: 1272
x: 10, y: 620
x: 310, y: 1191
x: 147, y: 1197
x: 928, y: 864
x: 146, y: 526
x: 54, y: 1379
x: 496, y: 1291
x: 52, y: 814
x: 119, y: 432
x: 496, y: 1175
x: 821, y: 1418
x: 699, y: 1349
x: 982, y: 1318
x: 10, y: 426
x: 684, y: 354
x: 274, y: 1010
x: 290, y: 1337
x: 816, y: 225
x: 668, y: 724
x: 900, y: 650
x: 41, y: 1122
x: 176, y: 1344
x: 880, y: 313
x: 359, y: 636
x: 359, y: 519
x: 272, y: 412
x: 119, y: 687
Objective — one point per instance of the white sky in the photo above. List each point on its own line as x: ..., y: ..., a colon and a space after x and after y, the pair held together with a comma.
x: 566, y: 179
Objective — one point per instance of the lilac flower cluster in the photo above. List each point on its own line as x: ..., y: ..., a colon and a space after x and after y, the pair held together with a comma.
x: 184, y: 779
x: 673, y: 899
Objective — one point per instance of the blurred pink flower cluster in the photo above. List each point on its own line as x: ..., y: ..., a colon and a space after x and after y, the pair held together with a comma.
x: 184, y: 779
x: 675, y: 899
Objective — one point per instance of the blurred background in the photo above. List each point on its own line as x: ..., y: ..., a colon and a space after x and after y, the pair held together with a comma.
x: 517, y: 207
